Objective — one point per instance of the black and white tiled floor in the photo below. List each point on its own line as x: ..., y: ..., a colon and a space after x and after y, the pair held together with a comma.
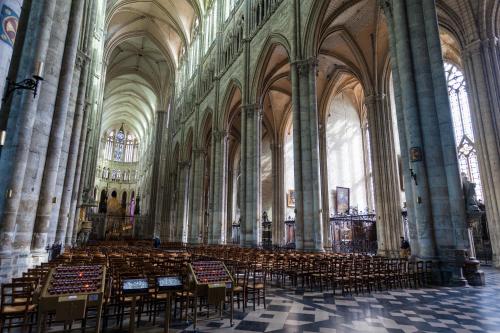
x: 441, y: 309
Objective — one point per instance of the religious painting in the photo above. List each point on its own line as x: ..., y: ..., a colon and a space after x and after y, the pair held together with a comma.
x: 342, y: 200
x: 8, y: 28
x: 290, y: 198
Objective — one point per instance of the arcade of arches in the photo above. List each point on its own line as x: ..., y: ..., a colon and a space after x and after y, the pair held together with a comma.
x: 321, y: 125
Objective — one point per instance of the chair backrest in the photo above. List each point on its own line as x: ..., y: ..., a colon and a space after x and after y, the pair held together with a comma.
x: 34, y: 281
x: 19, y: 294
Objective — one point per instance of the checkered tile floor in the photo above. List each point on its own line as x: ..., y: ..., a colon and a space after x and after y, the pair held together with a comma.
x: 461, y: 310
x: 440, y: 309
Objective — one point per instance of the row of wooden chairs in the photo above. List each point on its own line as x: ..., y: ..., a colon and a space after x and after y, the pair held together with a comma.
x: 348, y: 272
x: 252, y: 269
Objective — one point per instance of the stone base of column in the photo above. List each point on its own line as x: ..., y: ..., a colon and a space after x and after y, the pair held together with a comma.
x: 495, y: 260
x: 451, y: 276
x: 248, y: 245
x: 449, y: 269
x: 311, y: 247
x: 473, y: 274
x: 6, y: 263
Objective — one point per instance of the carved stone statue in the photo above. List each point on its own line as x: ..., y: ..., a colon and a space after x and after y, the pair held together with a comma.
x: 471, y: 203
x: 264, y: 217
x: 471, y: 265
x: 82, y: 237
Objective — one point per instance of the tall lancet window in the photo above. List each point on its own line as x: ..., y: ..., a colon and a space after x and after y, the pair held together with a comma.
x: 119, y: 144
x: 108, y: 151
x: 131, y: 147
x: 462, y: 125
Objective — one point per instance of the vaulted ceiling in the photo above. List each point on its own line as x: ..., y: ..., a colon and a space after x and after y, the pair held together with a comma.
x: 144, y: 39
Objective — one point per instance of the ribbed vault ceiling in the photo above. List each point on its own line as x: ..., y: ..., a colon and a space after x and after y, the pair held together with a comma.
x: 143, y: 41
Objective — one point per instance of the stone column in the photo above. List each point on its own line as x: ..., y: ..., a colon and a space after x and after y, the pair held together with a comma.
x: 327, y: 242
x: 413, y: 137
x: 482, y: 71
x: 251, y: 214
x: 385, y: 175
x: 278, y: 223
x: 63, y: 160
x: 60, y: 120
x: 72, y: 230
x: 21, y: 117
x: 156, y: 204
x: 13, y: 60
x: 182, y: 200
x: 64, y: 225
x: 404, y: 148
x: 229, y: 202
x: 11, y: 8
x: 309, y: 218
x: 39, y: 140
x: 172, y: 214
x: 444, y: 126
x: 217, y: 218
x: 77, y: 189
x: 196, y: 219
x: 439, y: 212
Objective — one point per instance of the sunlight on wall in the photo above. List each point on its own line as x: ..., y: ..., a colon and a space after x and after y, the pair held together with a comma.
x: 266, y: 166
x: 345, y: 152
x: 289, y: 180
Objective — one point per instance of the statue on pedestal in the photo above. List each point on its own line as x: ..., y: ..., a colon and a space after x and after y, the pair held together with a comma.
x: 474, y: 276
x: 471, y: 203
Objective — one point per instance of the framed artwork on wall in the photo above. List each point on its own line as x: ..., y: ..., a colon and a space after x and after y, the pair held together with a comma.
x: 290, y: 198
x: 342, y: 200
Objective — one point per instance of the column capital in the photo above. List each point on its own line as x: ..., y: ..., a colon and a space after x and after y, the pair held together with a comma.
x: 252, y: 110
x: 220, y: 134
x: 184, y: 164
x: 80, y: 60
x: 476, y: 45
x: 276, y: 146
x: 82, y: 57
x: 372, y: 99
x: 306, y: 66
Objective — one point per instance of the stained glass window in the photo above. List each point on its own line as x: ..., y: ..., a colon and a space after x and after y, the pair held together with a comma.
x: 462, y: 125
x: 121, y: 146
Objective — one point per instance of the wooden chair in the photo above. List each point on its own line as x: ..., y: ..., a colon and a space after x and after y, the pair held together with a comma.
x: 256, y: 286
x: 321, y: 273
x: 240, y: 285
x: 17, y: 304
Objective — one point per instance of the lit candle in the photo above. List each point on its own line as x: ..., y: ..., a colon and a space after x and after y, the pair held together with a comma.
x: 38, y: 70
